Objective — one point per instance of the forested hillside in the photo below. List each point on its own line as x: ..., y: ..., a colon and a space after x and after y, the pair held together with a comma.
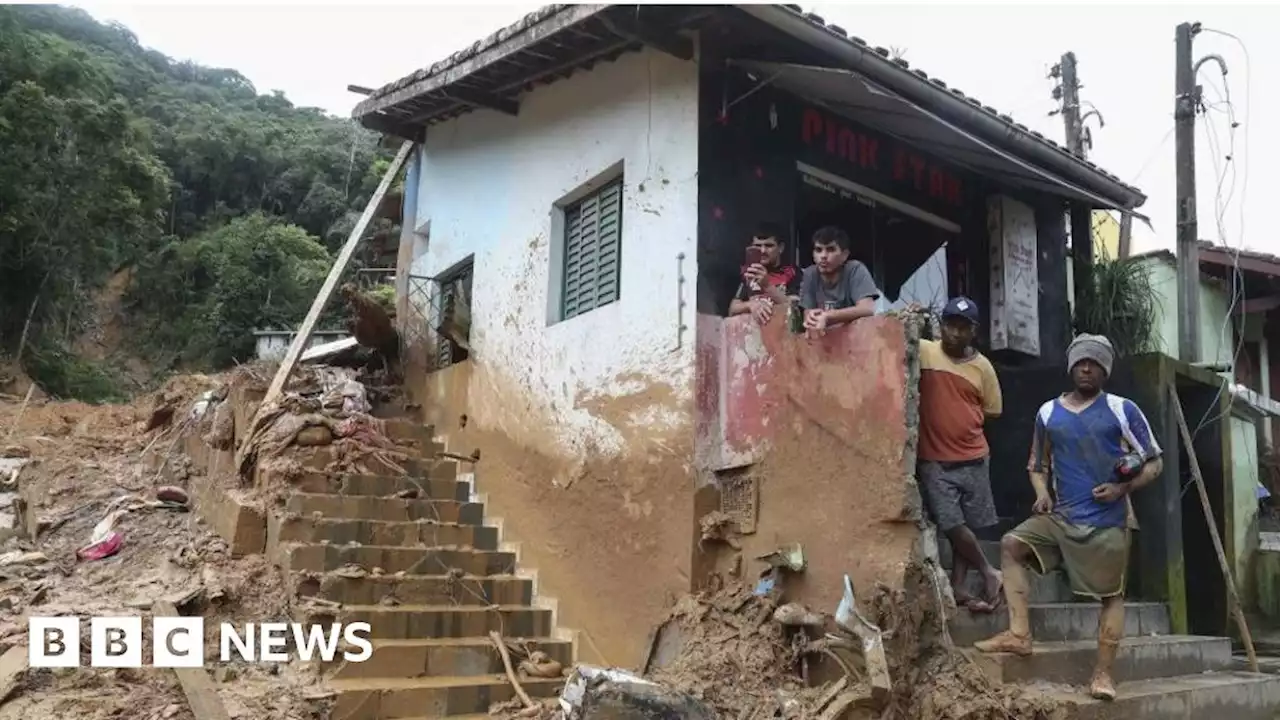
x: 218, y: 206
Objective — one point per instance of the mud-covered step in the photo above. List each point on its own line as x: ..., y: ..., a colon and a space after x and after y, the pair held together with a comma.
x: 439, y: 488
x: 429, y: 588
x: 382, y: 508
x: 1206, y: 696
x: 1056, y: 622
x: 1140, y: 658
x: 438, y: 657
x: 437, y: 621
x: 388, y: 699
x: 416, y: 560
x: 337, y: 531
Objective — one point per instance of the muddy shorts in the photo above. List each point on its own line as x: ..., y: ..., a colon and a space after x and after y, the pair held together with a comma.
x: 958, y: 493
x: 1095, y: 558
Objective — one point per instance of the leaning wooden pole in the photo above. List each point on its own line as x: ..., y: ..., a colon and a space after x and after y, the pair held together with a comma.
x: 335, y: 273
x: 1233, y: 596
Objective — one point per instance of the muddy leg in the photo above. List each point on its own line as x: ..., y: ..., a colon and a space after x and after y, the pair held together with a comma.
x: 965, y: 545
x: 1014, y: 555
x: 1110, y: 632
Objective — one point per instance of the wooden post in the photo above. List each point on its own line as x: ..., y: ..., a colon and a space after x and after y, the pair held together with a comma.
x: 331, y: 282
x: 1232, y: 595
x: 202, y: 696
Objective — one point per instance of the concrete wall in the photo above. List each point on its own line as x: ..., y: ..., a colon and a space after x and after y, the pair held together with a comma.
x: 826, y: 430
x: 585, y: 425
x: 1217, y: 341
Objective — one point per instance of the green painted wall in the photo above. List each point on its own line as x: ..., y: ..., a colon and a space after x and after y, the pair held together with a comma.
x: 1216, y: 341
x: 1243, y: 497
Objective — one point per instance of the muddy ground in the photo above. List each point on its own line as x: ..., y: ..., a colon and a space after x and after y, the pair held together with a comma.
x: 83, y: 458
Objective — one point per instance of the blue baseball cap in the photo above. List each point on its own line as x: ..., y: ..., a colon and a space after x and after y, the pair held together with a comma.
x: 961, y: 306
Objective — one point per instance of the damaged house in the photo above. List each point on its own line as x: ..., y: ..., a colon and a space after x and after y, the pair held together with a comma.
x: 576, y: 208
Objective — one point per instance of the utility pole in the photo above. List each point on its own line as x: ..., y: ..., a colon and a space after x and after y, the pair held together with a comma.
x: 1186, y: 100
x: 1081, y: 214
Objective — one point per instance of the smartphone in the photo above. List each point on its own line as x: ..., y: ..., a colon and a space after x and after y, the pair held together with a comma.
x: 755, y: 256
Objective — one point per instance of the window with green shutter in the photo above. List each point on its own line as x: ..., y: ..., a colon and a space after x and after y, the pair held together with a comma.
x: 592, y: 251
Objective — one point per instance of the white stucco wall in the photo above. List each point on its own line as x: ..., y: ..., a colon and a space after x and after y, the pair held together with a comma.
x: 488, y: 185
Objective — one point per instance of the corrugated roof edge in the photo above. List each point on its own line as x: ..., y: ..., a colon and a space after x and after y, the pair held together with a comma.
x: 817, y: 21
x: 470, y: 51
x: 1005, y: 118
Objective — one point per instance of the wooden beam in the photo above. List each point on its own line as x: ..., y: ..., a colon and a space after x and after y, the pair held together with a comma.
x: 484, y: 100
x: 359, y: 89
x: 331, y: 283
x: 1262, y: 304
x: 1233, y: 594
x: 567, y: 17
x: 668, y: 42
x: 533, y: 77
x: 1246, y: 262
x: 389, y: 126
x: 201, y: 694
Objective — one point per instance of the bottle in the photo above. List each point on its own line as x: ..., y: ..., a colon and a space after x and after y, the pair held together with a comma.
x: 795, y: 317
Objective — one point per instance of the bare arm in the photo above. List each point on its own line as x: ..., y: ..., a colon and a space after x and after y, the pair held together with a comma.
x: 1150, y: 471
x: 866, y: 307
x: 739, y: 307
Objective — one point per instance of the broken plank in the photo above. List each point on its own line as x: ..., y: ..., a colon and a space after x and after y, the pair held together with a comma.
x: 202, y: 697
x: 13, y: 666
x: 331, y: 282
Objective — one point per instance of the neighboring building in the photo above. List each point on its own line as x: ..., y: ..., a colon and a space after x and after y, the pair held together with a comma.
x: 587, y: 180
x: 274, y: 344
x: 1106, y: 236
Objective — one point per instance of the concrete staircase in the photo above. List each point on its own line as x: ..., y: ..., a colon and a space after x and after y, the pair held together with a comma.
x: 1160, y: 675
x: 414, y: 558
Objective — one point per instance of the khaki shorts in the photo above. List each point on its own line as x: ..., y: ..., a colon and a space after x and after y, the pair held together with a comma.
x: 1095, y: 558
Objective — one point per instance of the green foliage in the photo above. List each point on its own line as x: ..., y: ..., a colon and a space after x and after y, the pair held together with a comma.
x: 211, y: 292
x: 64, y: 375
x: 1121, y: 305
x: 113, y: 155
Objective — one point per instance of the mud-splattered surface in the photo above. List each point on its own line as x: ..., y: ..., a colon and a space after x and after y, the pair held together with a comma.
x: 608, y: 533
x: 83, y: 459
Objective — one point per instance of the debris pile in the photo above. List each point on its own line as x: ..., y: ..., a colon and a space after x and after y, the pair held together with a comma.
x: 88, y: 527
x: 739, y: 653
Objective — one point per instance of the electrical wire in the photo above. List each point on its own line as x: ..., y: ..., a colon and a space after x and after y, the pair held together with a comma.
x: 1226, y: 107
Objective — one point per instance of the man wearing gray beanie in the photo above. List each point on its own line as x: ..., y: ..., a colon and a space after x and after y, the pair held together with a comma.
x: 1094, y: 449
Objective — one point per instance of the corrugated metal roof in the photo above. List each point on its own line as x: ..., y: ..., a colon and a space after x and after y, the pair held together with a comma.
x: 371, y: 105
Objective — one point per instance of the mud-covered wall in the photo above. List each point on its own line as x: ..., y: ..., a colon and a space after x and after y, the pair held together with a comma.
x: 586, y: 425
x: 826, y: 430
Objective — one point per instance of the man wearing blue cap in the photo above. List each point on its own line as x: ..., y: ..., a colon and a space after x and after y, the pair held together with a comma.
x: 1097, y: 449
x: 958, y: 392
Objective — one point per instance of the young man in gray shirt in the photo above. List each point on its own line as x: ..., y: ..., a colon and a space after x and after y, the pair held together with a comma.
x: 835, y: 290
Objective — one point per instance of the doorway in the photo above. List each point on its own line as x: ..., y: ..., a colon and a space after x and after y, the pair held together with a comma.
x: 904, y: 247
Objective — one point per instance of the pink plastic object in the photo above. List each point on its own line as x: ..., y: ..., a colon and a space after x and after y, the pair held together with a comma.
x: 105, y: 548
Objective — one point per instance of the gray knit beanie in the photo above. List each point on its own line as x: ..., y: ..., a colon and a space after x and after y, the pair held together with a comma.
x: 1091, y: 347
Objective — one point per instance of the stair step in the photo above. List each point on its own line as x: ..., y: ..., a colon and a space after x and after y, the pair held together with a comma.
x: 439, y: 657
x: 440, y: 621
x: 990, y: 548
x: 1140, y: 658
x: 307, y: 529
x: 1207, y: 696
x: 446, y: 488
x: 1268, y: 664
x: 1056, y: 622
x: 1051, y: 588
x: 366, y: 507
x: 388, y: 699
x: 392, y: 559
x: 425, y: 589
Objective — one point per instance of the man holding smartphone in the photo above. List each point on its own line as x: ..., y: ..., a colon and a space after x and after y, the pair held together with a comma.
x: 766, y: 281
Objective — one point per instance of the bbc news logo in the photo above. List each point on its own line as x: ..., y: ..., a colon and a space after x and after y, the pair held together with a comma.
x: 178, y: 642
